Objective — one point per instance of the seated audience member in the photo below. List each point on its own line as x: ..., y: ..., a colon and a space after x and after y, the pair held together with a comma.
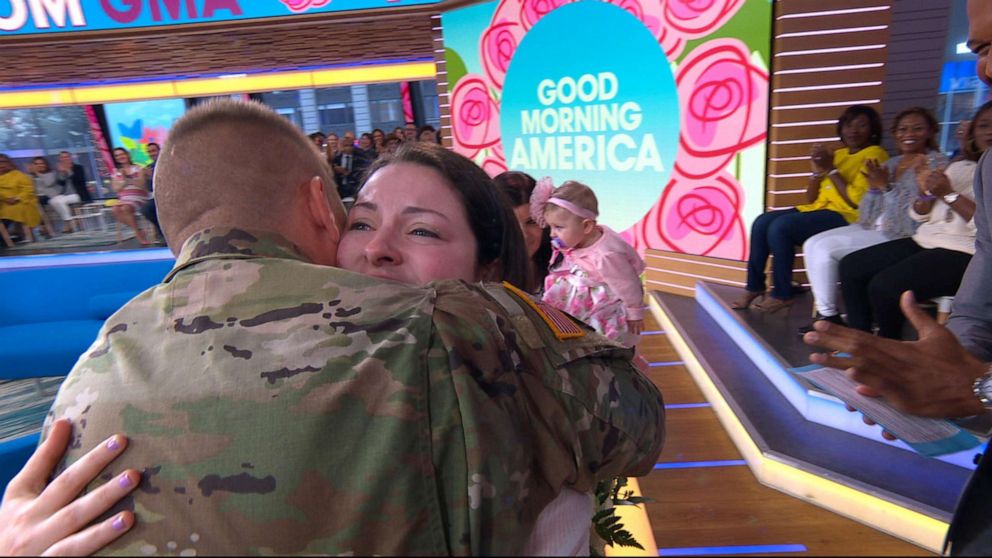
x: 18, y: 204
x: 427, y: 134
x: 291, y: 359
x: 835, y: 188
x: 884, y: 211
x: 71, y: 178
x: 379, y: 141
x: 128, y: 182
x: 409, y: 131
x: 392, y: 143
x: 44, y: 179
x: 518, y: 187
x: 932, y: 261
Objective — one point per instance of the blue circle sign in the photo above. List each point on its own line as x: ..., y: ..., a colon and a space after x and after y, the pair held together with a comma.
x: 589, y: 96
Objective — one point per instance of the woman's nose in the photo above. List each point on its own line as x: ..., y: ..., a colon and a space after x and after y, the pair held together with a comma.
x: 380, y: 250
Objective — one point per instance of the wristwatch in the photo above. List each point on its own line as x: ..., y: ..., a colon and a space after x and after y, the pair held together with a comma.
x: 983, y: 388
x: 951, y: 198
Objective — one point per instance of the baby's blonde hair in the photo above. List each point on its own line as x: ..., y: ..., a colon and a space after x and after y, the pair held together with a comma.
x: 577, y: 193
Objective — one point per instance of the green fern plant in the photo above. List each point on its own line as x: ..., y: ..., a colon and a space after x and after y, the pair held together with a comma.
x: 606, y: 524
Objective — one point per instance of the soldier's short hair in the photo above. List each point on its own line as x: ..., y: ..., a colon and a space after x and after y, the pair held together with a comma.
x: 235, y: 163
x: 498, y: 237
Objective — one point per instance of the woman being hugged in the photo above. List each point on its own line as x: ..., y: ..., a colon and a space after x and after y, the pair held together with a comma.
x: 836, y: 186
x: 932, y: 262
x: 594, y: 274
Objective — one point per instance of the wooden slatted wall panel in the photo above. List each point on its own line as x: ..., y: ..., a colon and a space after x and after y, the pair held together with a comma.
x: 827, y: 55
x: 916, y: 56
x: 443, y: 99
x: 68, y: 59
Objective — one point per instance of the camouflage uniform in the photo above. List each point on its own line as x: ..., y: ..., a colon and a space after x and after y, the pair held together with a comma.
x: 280, y: 407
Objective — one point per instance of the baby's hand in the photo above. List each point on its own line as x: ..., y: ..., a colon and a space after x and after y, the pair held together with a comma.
x: 635, y: 326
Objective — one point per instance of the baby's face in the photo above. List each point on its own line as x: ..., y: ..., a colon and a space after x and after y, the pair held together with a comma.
x: 567, y: 227
x: 408, y: 225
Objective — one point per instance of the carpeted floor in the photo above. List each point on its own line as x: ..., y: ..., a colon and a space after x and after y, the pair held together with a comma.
x: 23, y: 408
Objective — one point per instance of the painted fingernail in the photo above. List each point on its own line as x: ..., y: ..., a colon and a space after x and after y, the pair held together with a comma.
x: 126, y: 481
x: 119, y: 524
x: 113, y: 444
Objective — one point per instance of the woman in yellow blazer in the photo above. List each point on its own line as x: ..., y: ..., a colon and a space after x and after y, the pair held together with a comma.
x: 18, y: 202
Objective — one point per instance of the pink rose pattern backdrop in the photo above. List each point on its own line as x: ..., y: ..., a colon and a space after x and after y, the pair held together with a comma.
x: 723, y: 98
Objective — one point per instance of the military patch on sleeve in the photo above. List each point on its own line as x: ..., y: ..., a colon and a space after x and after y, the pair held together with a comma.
x: 563, y: 326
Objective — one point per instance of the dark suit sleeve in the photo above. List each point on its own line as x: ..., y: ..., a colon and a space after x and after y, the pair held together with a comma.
x: 971, y: 314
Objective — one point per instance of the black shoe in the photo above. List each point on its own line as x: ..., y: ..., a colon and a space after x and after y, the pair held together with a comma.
x: 820, y: 317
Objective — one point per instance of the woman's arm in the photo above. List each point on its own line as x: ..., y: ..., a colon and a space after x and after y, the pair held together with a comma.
x: 49, y: 520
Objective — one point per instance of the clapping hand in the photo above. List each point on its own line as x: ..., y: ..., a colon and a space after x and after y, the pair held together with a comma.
x: 822, y: 159
x: 933, y: 182
x: 876, y: 173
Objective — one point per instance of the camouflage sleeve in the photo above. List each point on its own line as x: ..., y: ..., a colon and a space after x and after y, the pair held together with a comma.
x: 587, y: 413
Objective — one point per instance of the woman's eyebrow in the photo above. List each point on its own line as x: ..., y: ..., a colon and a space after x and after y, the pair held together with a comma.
x: 413, y: 210
x: 365, y: 205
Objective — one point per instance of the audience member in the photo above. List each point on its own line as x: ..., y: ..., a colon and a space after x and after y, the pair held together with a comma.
x: 409, y: 132
x: 43, y: 178
x: 69, y: 173
x: 960, y: 134
x: 932, y: 261
x: 835, y: 189
x: 379, y: 141
x: 348, y: 139
x: 149, y: 209
x: 398, y: 132
x: 392, y: 143
x: 427, y: 134
x: 323, y: 345
x: 128, y: 182
x: 18, y: 204
x: 366, y: 148
x: 594, y: 274
x: 940, y: 375
x: 884, y: 211
x: 318, y: 138
x: 518, y: 187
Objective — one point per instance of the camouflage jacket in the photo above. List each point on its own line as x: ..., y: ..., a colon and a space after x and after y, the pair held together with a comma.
x: 280, y: 407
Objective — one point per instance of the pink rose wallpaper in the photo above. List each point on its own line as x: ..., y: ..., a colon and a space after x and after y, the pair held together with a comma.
x: 719, y: 58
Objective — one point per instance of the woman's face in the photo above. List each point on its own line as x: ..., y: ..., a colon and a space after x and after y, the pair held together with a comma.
x: 365, y: 141
x: 377, y: 137
x: 912, y: 134
x: 40, y: 165
x: 532, y: 231
x: 121, y: 157
x: 428, y: 136
x: 332, y: 143
x: 856, y: 132
x: 983, y: 130
x: 408, y: 225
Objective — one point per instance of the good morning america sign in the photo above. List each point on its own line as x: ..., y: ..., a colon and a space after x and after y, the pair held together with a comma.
x: 26, y: 17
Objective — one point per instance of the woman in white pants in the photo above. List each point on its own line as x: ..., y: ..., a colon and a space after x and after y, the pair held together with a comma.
x: 884, y: 211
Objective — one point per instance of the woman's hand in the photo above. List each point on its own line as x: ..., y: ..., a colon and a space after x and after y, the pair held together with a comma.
x: 877, y: 174
x: 48, y: 520
x: 934, y: 183
x: 821, y: 158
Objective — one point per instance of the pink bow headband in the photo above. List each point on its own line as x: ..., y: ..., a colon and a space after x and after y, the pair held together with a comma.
x: 542, y: 196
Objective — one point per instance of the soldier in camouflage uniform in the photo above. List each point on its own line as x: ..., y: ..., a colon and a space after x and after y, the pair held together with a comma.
x: 279, y: 406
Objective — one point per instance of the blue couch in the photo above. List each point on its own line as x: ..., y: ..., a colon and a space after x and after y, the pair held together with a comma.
x: 51, y: 309
x: 50, y: 315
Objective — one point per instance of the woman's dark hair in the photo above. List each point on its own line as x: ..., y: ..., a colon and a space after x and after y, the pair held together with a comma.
x: 126, y: 152
x: 874, y: 121
x: 497, y: 235
x: 969, y: 148
x: 925, y: 115
x: 43, y: 160
x: 518, y: 187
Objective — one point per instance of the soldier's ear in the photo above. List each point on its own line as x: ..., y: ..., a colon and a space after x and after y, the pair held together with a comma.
x: 319, y: 209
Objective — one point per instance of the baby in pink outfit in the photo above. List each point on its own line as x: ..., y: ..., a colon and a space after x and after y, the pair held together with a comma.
x: 594, y: 273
